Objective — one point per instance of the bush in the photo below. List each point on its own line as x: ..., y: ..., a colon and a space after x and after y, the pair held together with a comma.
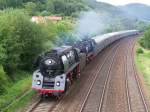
x: 57, y: 33
x: 140, y: 51
x: 20, y: 39
x: 141, y: 41
x: 30, y: 8
x: 3, y: 81
x: 145, y: 41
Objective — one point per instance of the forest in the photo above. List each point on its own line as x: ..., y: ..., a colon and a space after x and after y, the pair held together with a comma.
x: 46, y: 7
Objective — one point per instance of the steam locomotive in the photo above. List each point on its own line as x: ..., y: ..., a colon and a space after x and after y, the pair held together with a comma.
x: 56, y: 70
x: 59, y: 67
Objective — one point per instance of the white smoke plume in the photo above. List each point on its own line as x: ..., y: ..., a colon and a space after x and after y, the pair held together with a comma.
x: 91, y: 23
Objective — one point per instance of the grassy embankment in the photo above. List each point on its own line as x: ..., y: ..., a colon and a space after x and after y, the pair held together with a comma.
x: 17, y: 94
x: 143, y: 64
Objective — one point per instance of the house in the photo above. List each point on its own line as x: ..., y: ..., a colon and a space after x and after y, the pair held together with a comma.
x: 41, y: 19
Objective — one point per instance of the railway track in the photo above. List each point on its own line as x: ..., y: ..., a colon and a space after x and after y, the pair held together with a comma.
x: 81, y: 102
x: 135, y: 100
x: 105, y: 85
x: 137, y: 79
x: 114, y: 92
x: 131, y: 107
x: 94, y: 74
x: 126, y: 84
x: 102, y: 107
x: 43, y: 105
x: 100, y: 85
x: 51, y: 105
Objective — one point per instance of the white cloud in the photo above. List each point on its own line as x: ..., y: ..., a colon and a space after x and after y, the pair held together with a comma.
x: 123, y: 2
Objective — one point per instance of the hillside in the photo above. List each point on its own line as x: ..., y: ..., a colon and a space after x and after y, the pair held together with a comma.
x: 117, y: 18
x: 140, y: 11
x: 103, y: 7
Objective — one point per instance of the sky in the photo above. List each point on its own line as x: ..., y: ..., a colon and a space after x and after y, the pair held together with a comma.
x: 124, y: 2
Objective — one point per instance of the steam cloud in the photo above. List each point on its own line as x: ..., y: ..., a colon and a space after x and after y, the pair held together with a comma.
x: 90, y: 24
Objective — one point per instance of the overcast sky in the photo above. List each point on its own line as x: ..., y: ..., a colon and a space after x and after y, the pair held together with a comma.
x: 123, y: 2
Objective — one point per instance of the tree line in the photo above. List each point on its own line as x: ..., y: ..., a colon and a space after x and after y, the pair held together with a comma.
x: 46, y: 7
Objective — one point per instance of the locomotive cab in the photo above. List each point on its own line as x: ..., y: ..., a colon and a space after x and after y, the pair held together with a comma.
x: 87, y: 46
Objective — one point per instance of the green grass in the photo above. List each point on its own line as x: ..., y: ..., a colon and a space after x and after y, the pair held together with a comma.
x: 143, y: 63
x: 15, y: 91
x: 19, y: 105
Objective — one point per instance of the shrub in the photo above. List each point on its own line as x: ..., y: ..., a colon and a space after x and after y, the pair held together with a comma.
x: 141, y: 41
x: 21, y: 40
x: 145, y: 42
x: 140, y: 51
x: 147, y: 39
x: 3, y: 81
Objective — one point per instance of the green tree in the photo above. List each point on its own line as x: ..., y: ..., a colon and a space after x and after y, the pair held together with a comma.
x: 59, y: 6
x: 3, y: 4
x: 30, y: 8
x: 66, y: 7
x: 50, y: 6
x: 21, y: 39
x: 147, y: 39
x: 3, y: 81
x: 14, y: 3
x: 10, y: 3
x: 55, y: 32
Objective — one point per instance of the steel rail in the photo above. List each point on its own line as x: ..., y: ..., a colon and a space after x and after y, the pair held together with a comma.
x: 106, y: 83
x: 138, y: 81
x: 96, y: 75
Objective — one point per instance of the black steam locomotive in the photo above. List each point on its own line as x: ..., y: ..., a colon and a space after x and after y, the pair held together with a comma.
x: 56, y: 69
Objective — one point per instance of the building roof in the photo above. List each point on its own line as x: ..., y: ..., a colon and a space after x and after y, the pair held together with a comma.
x: 43, y: 19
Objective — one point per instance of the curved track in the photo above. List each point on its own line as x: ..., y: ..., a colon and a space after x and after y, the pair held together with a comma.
x: 108, y: 84
x: 103, y: 83
x: 138, y: 101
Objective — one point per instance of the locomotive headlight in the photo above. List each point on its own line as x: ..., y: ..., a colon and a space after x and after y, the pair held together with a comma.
x: 57, y: 83
x: 49, y: 62
x: 38, y: 82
